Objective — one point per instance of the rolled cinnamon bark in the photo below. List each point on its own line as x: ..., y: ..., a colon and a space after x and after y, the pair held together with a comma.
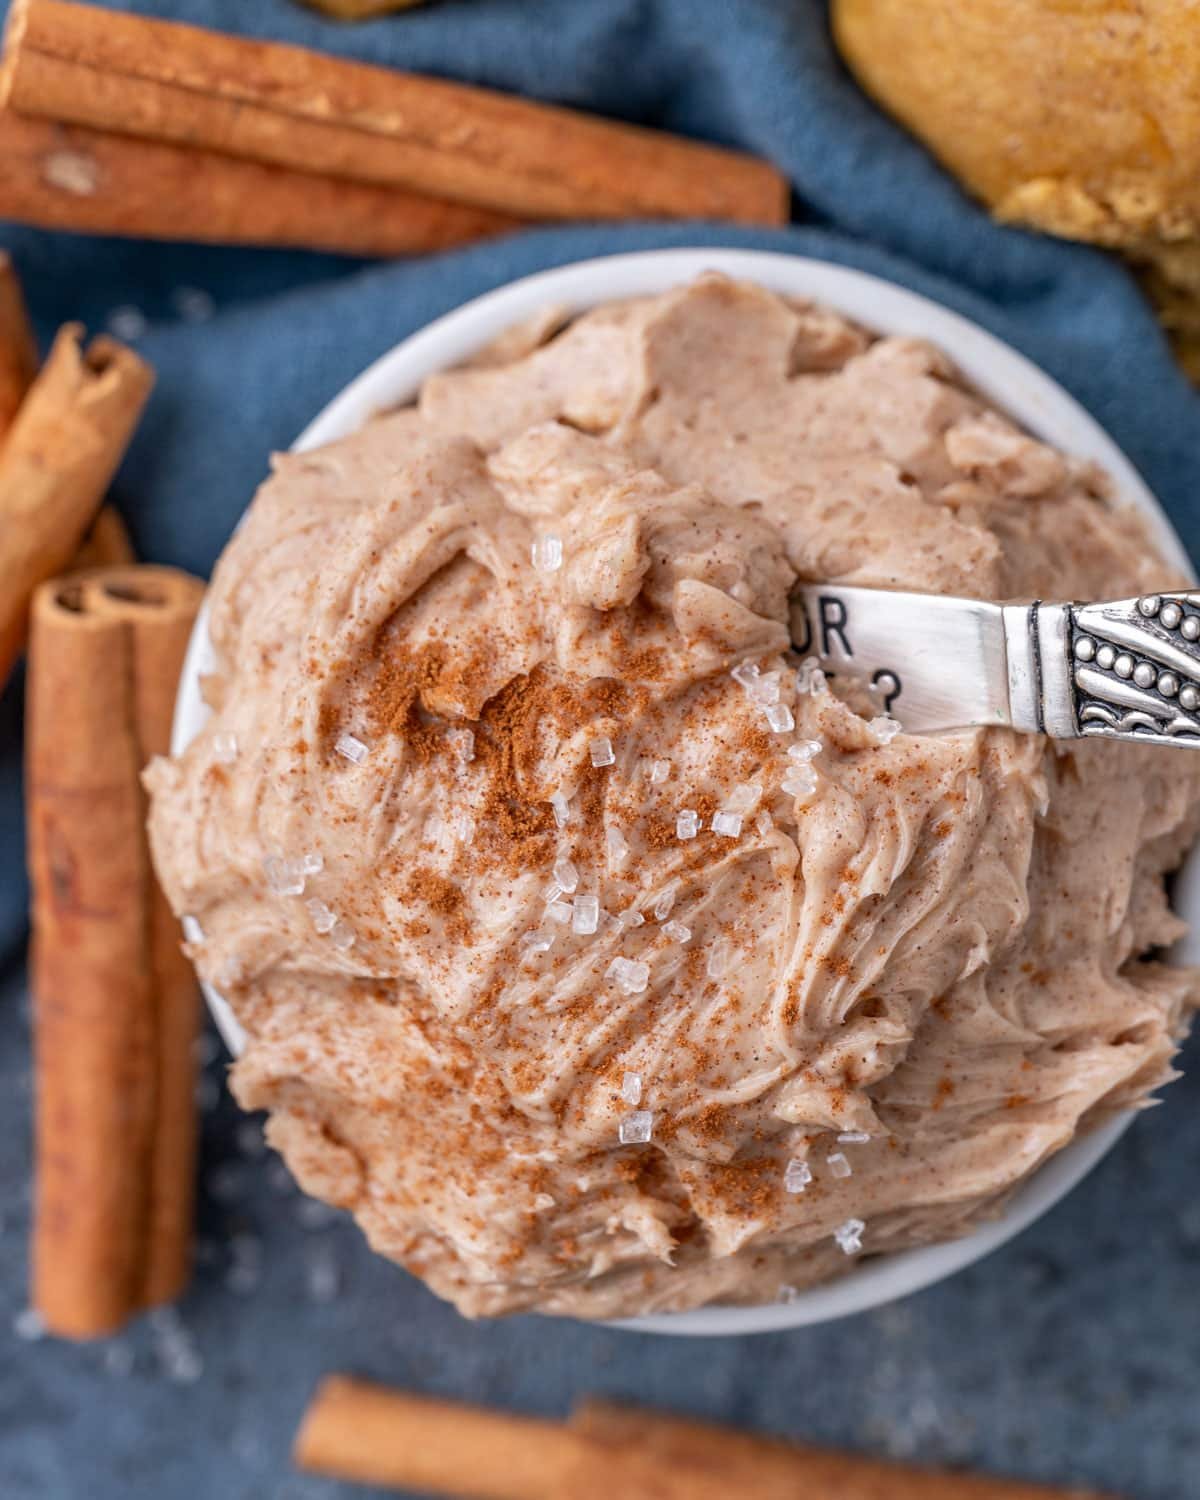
x: 270, y: 102
x: 63, y: 449
x: 114, y: 998
x: 698, y: 1461
x: 360, y: 1431
x: 96, y: 182
x: 18, y: 348
x: 107, y: 544
x: 359, y: 10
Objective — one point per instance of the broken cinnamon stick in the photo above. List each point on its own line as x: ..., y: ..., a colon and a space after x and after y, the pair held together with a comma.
x: 94, y: 182
x: 271, y: 102
x: 359, y: 1431
x: 114, y: 997
x: 63, y: 449
x: 18, y: 347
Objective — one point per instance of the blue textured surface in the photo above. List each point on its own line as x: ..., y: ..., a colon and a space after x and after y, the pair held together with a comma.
x: 1071, y: 1355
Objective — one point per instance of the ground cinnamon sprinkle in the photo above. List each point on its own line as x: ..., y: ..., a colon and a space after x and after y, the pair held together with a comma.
x: 443, y: 897
x: 749, y: 1187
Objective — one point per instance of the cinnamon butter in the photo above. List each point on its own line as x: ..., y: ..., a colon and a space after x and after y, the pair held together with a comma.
x: 596, y: 953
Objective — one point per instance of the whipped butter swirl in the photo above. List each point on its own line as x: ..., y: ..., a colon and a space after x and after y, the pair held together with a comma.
x: 597, y: 954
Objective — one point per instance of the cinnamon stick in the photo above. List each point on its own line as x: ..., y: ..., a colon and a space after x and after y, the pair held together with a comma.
x: 359, y: 1431
x: 94, y: 182
x: 364, y: 1432
x: 711, y: 1461
x: 107, y: 544
x: 114, y: 998
x: 271, y: 102
x: 64, y: 447
x: 18, y: 348
x: 359, y: 10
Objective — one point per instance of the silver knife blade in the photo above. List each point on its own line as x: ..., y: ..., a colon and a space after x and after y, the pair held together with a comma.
x: 1126, y: 669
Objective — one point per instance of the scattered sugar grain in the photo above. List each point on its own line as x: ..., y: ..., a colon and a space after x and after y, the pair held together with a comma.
x: 718, y: 959
x: 323, y: 918
x: 127, y: 323
x: 29, y: 1325
x: 800, y: 781
x: 248, y: 1137
x: 193, y: 304
x: 322, y: 1274
x: 462, y: 742
x: 225, y: 1183
x: 283, y: 877
x: 780, y: 719
x: 617, y: 844
x: 884, y: 729
x: 311, y: 1213
x: 797, y: 1175
x: 342, y: 936
x: 810, y: 678
x: 636, y: 1129
x: 118, y: 1361
x: 630, y: 975
x: 546, y: 554
x: 744, y: 798
x: 585, y: 917
x: 805, y: 750
x: 849, y: 1236
x: 352, y: 748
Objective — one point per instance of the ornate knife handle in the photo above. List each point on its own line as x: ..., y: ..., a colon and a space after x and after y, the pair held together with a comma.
x: 1125, y: 670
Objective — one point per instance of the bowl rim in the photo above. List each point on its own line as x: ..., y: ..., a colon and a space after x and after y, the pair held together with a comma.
x: 1000, y: 374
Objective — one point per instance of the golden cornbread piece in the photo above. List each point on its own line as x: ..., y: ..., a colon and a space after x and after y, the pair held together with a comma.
x: 1081, y: 118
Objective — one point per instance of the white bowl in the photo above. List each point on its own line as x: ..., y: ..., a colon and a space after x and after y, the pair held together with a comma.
x: 1007, y: 379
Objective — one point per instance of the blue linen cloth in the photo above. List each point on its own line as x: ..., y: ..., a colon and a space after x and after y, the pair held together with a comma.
x: 290, y: 329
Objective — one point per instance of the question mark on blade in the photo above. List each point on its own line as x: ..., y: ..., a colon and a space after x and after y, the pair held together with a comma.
x: 886, y: 685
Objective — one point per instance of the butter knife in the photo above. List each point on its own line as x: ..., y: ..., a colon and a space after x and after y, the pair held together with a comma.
x: 1126, y: 669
